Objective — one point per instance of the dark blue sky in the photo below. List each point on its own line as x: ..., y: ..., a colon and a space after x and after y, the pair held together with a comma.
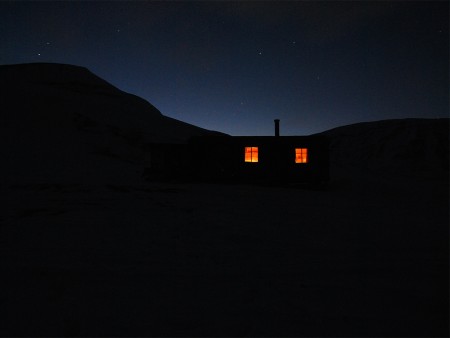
x: 235, y: 66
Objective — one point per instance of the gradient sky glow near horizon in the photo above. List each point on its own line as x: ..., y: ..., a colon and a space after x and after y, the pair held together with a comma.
x: 236, y: 66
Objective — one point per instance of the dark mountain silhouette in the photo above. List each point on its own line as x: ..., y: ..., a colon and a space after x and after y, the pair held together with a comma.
x: 63, y: 122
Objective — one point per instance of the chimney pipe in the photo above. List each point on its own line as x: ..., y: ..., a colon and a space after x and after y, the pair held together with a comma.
x: 277, y: 127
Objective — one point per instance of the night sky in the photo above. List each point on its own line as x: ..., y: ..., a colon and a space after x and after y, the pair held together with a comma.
x: 236, y: 66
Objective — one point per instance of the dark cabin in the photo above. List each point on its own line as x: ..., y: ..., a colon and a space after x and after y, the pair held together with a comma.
x: 246, y: 159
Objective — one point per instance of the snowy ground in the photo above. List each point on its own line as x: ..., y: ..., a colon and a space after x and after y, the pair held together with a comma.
x: 364, y: 257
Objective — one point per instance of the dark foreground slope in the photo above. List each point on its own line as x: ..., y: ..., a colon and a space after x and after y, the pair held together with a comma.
x: 367, y: 257
x: 366, y: 260
x: 65, y: 123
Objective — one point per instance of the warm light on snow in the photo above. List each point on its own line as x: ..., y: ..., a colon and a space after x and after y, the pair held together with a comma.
x: 301, y: 155
x: 251, y: 154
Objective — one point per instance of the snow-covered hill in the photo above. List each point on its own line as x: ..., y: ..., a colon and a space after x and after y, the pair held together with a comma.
x: 63, y: 123
x: 405, y: 148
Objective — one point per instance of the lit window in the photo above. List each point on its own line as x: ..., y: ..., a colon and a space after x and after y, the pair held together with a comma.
x: 251, y: 154
x: 301, y: 155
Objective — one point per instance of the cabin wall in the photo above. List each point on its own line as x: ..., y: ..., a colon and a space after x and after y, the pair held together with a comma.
x: 223, y: 158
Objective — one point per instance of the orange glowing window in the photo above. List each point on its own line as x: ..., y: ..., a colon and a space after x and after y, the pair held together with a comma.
x: 251, y: 154
x: 301, y: 155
